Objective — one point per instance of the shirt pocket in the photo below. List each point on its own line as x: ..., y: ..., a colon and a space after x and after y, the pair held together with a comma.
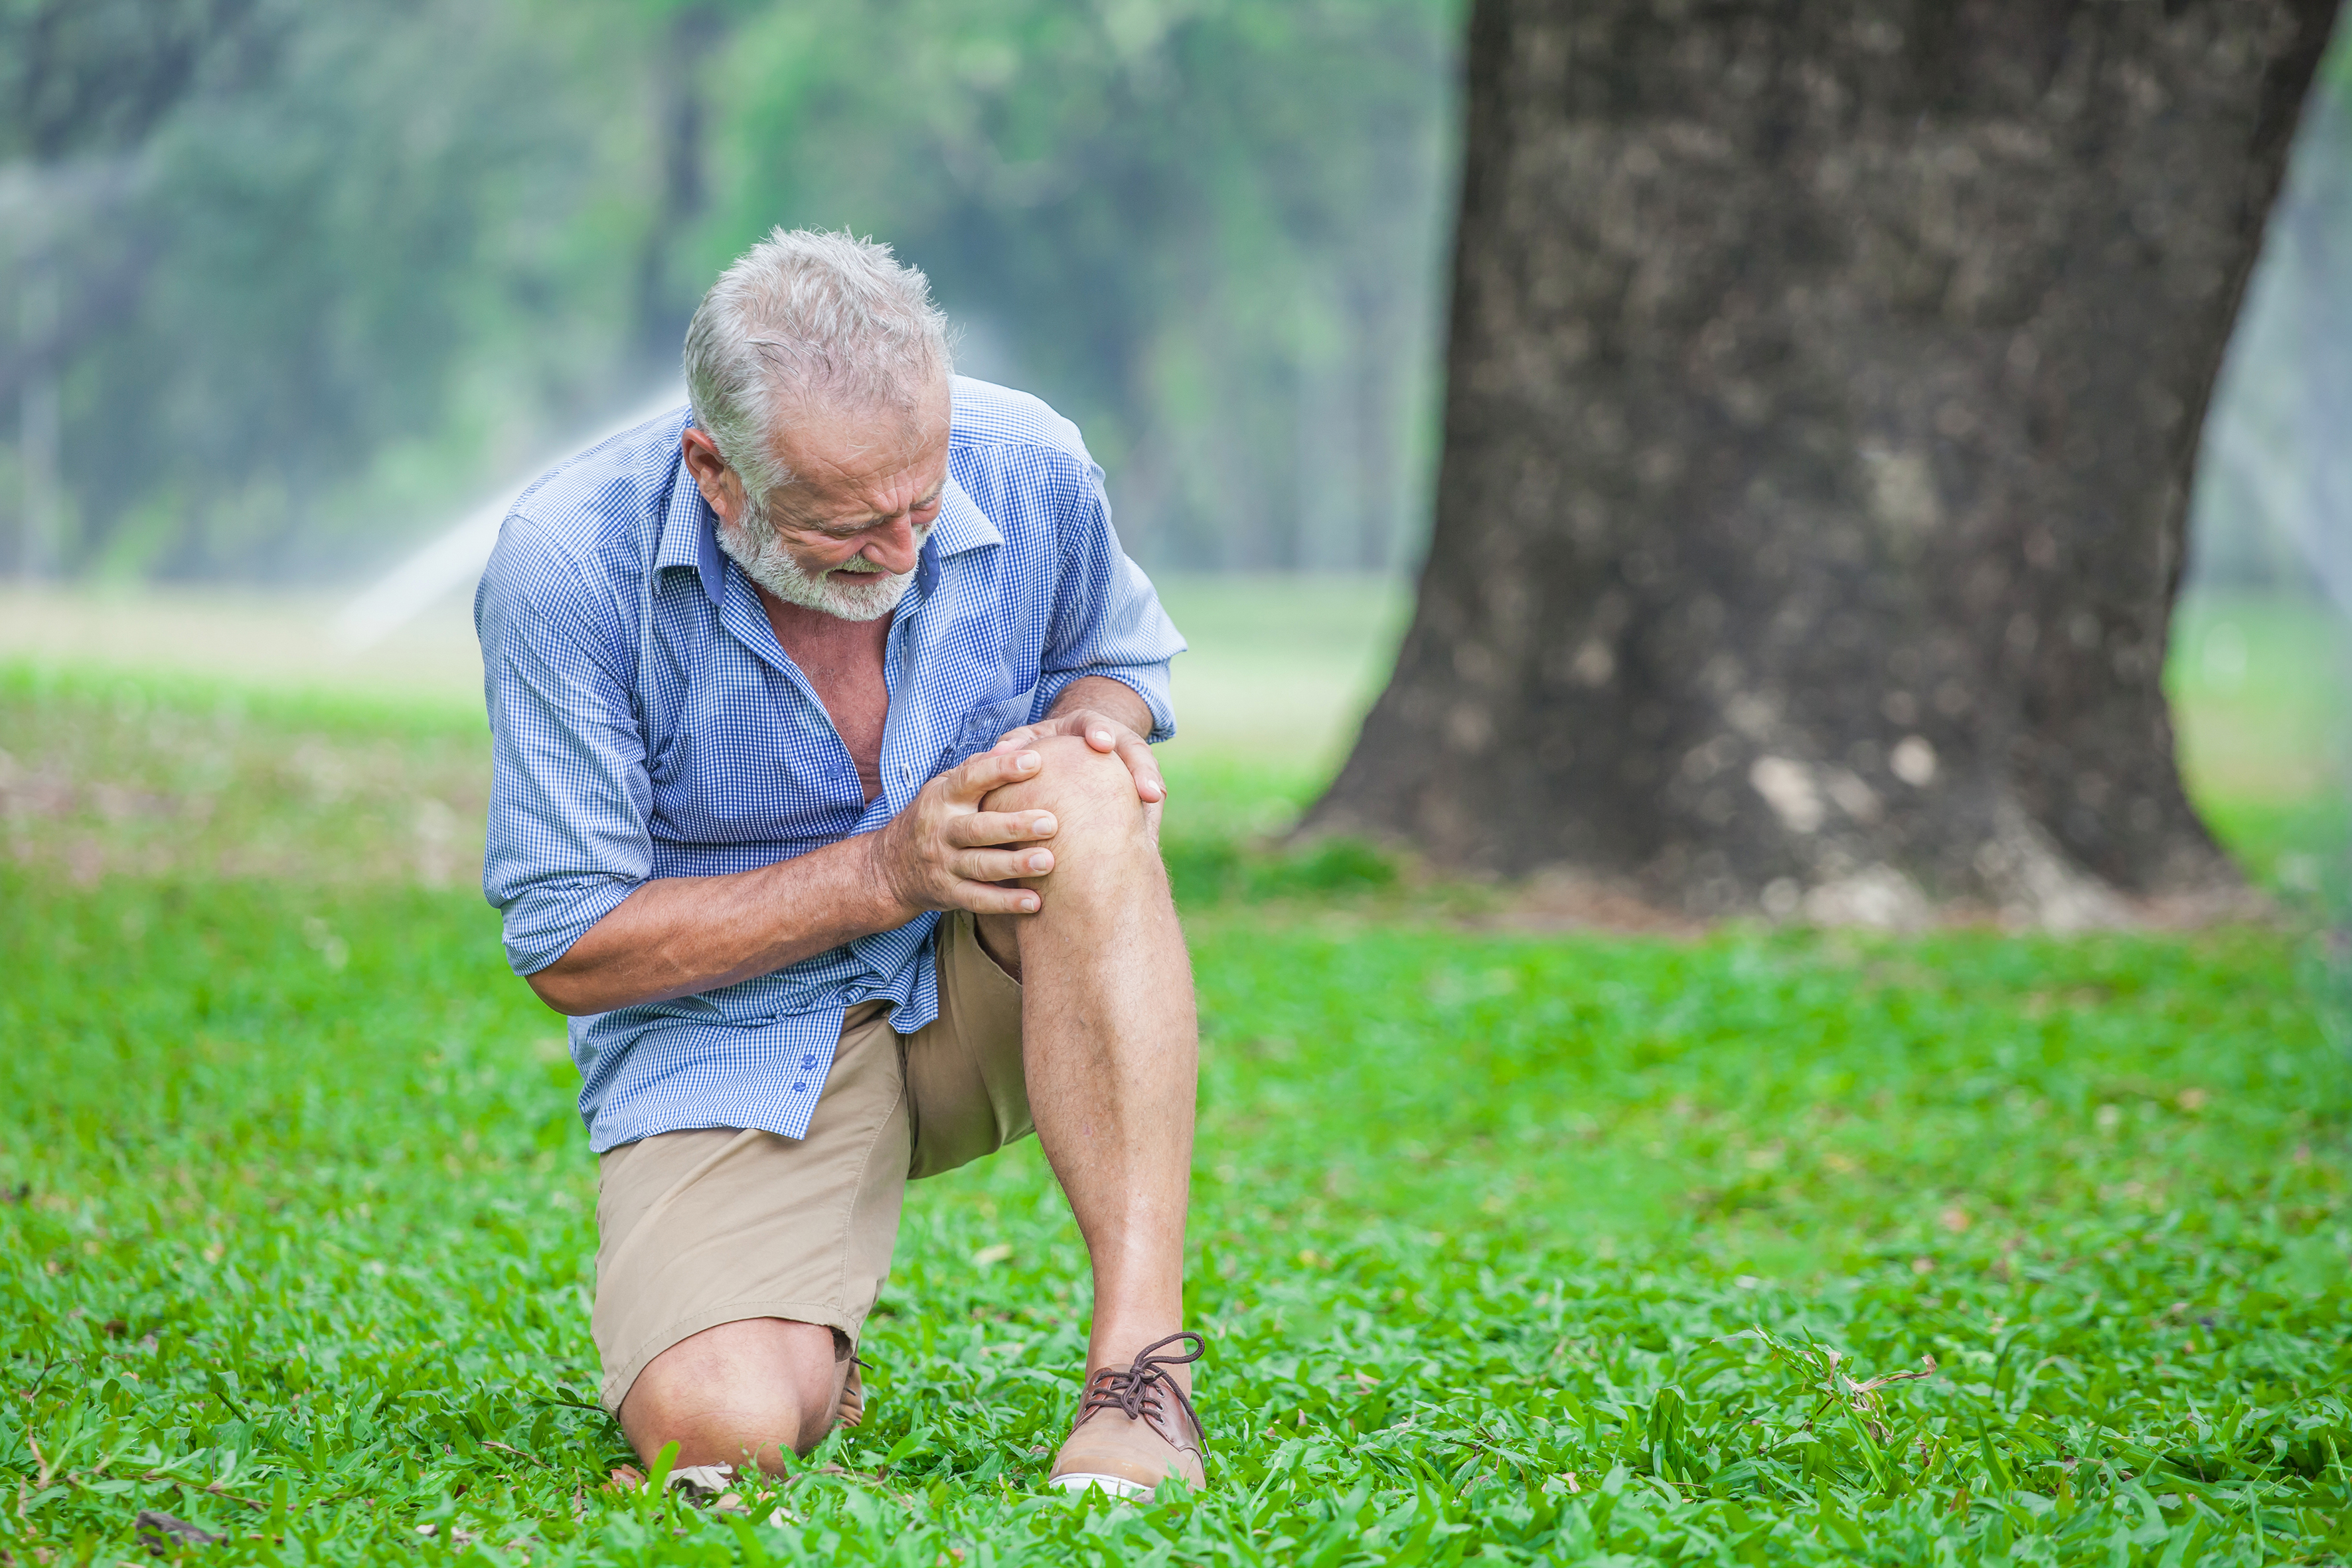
x: 982, y: 727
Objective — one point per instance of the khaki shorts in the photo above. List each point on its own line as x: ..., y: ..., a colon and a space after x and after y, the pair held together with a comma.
x: 700, y: 1228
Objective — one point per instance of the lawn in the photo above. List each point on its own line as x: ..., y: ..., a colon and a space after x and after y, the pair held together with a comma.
x: 1564, y: 1247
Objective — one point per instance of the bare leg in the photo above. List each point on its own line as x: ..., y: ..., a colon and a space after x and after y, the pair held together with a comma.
x: 1110, y: 1043
x: 738, y: 1392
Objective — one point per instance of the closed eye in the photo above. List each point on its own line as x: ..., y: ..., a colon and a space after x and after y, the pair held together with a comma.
x: 920, y: 514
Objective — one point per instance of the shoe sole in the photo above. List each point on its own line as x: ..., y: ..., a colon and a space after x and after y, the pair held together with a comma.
x: 1116, y: 1486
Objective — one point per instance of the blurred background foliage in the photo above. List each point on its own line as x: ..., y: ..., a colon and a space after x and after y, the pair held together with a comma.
x: 286, y: 288
x: 293, y: 283
x: 2273, y: 506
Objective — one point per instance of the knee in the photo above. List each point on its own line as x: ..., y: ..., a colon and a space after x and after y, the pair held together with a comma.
x: 735, y: 1394
x: 723, y: 1426
x: 1089, y: 794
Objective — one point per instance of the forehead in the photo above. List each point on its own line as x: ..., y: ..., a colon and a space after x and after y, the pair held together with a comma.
x: 827, y: 445
x: 848, y: 481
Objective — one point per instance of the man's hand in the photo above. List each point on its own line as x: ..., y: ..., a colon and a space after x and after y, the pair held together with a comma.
x: 678, y: 935
x: 1104, y: 713
x: 944, y: 853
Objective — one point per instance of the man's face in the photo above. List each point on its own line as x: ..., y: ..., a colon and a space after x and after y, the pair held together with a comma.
x: 865, y: 489
x: 844, y: 537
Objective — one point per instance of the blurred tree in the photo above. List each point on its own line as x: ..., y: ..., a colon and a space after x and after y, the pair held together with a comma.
x: 1206, y: 229
x: 80, y: 80
x: 285, y: 278
x: 79, y: 75
x: 690, y: 31
x: 1824, y: 384
x: 256, y: 244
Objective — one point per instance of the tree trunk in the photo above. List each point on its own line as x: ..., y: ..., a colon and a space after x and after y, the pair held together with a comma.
x: 1824, y: 383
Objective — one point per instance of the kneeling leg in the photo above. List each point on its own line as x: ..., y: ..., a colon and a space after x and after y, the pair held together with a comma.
x: 738, y: 1394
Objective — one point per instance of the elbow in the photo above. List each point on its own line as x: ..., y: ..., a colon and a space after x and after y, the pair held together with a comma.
x: 562, y: 993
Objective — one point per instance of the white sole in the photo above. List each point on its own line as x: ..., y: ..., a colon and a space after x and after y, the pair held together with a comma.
x: 1116, y: 1486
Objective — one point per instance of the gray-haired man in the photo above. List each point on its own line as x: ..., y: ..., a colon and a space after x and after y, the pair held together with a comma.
x: 824, y: 806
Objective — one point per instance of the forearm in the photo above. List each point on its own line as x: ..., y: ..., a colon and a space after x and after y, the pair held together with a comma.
x: 1112, y: 698
x: 676, y: 936
x: 679, y: 935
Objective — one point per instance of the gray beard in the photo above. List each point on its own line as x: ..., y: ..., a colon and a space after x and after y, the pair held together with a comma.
x: 845, y: 592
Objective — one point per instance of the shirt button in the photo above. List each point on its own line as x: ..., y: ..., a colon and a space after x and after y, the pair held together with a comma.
x: 799, y: 1088
x: 807, y: 1062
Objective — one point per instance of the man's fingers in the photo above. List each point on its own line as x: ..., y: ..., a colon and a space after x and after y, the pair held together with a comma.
x: 1012, y: 740
x: 988, y: 898
x: 1002, y: 865
x: 982, y: 828
x: 989, y: 770
x: 1136, y: 755
x: 1110, y: 737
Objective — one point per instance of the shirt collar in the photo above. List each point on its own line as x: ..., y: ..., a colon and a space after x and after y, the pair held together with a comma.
x: 689, y: 528
x: 962, y: 526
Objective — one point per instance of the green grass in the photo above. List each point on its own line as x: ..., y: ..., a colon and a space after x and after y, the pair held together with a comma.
x: 1280, y: 668
x: 2260, y: 681
x: 106, y: 774
x: 1527, y: 1249
x: 2261, y: 687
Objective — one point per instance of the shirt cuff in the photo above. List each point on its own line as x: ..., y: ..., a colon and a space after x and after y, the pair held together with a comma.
x: 1148, y: 681
x: 540, y: 926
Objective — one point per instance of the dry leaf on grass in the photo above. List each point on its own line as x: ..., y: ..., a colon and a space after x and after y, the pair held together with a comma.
x: 159, y: 1531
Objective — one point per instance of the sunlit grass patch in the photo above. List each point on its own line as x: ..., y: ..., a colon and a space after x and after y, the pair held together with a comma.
x: 110, y: 774
x: 2259, y: 682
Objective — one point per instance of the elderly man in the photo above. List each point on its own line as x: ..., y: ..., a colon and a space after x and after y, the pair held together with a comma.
x: 823, y: 806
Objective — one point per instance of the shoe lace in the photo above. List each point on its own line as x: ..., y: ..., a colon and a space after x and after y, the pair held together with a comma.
x: 1145, y: 1388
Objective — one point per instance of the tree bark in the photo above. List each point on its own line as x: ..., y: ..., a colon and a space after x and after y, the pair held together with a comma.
x: 1824, y: 382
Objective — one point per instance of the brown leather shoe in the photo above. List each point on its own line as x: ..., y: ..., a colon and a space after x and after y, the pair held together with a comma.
x: 1135, y: 1428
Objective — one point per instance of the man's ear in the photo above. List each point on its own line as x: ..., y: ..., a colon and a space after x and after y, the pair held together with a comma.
x: 720, y: 485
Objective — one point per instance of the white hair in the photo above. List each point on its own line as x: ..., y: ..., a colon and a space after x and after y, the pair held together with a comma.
x: 816, y: 319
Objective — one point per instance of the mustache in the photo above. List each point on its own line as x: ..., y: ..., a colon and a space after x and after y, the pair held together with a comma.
x: 859, y: 566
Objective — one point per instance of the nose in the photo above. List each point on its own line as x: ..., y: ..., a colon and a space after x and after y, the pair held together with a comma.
x: 892, y: 546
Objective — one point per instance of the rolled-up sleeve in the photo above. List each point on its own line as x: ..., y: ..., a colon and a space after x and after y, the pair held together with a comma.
x: 1107, y: 618
x: 570, y: 797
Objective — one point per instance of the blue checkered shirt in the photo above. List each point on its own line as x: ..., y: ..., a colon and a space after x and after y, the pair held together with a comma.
x: 646, y: 723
